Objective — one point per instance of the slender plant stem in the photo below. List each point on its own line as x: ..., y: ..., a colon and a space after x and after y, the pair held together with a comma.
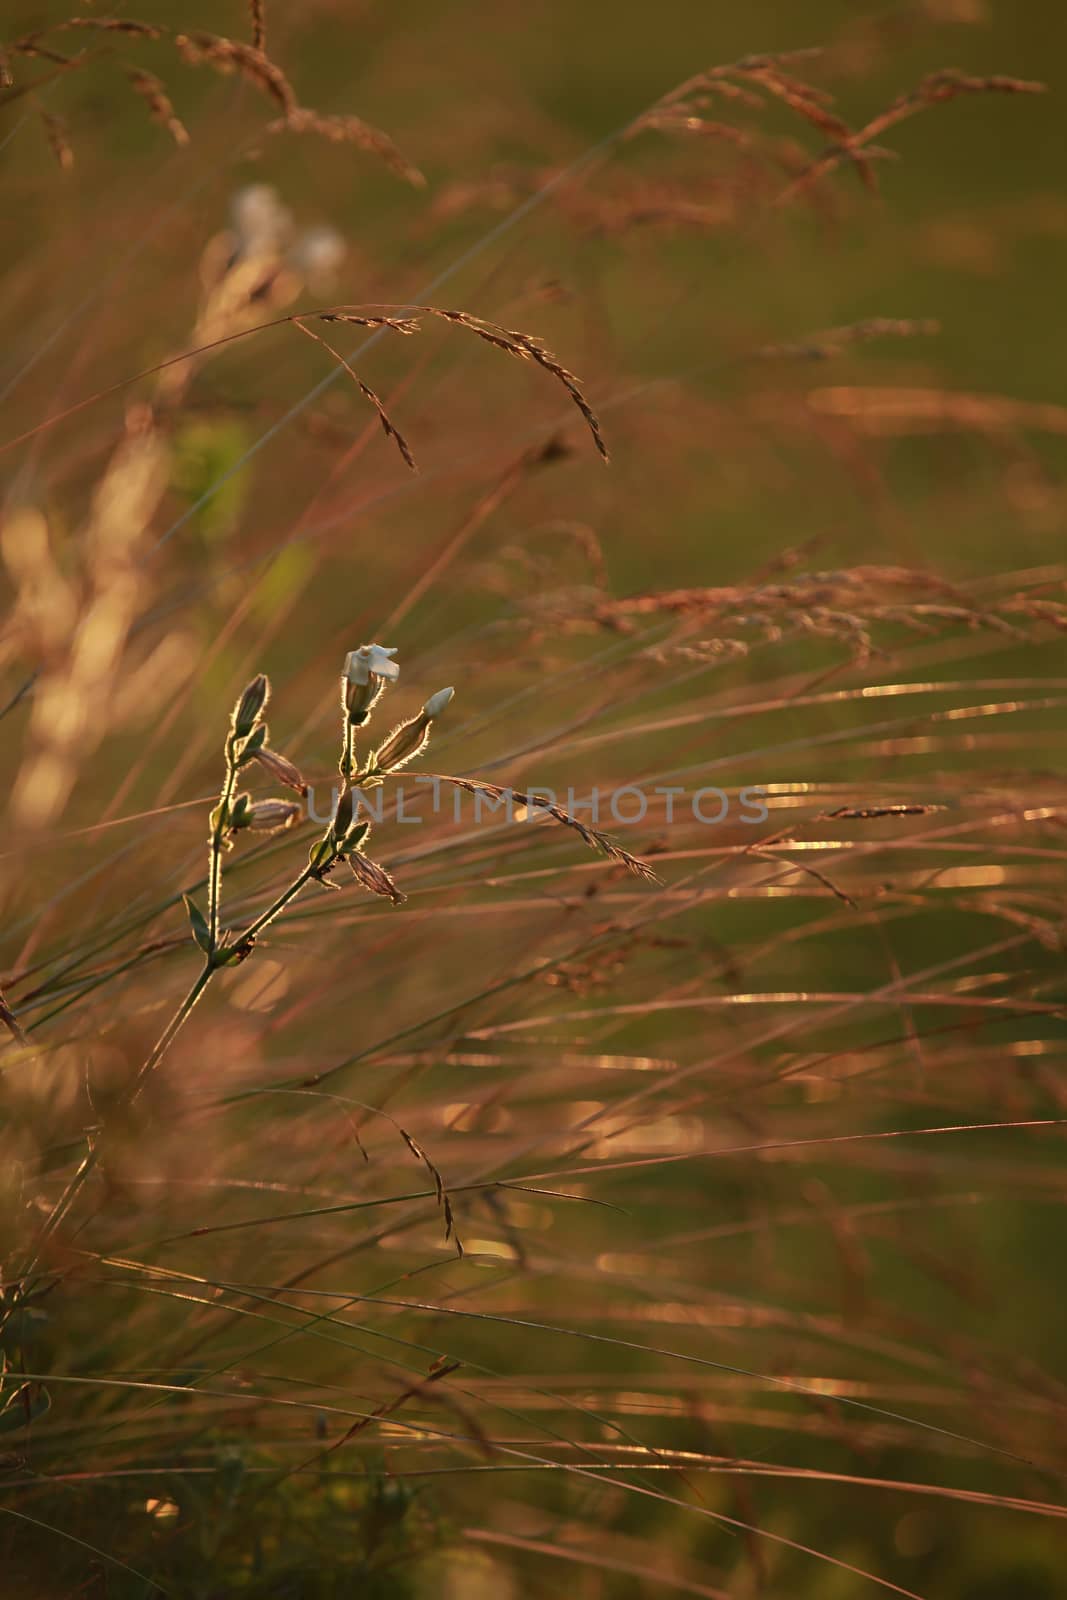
x: 348, y: 750
x: 218, y: 835
x: 278, y: 906
x: 91, y: 1158
x: 174, y: 1026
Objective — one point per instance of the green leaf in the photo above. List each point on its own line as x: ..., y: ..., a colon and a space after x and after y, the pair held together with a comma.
x: 198, y: 924
x: 321, y: 852
x: 255, y: 741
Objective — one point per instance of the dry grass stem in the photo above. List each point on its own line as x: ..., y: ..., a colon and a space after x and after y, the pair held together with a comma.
x: 257, y: 15
x: 534, y: 803
x: 154, y: 94
x: 389, y: 428
x: 346, y: 128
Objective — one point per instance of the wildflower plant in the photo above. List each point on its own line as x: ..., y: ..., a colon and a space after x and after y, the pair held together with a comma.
x: 367, y: 674
x: 368, y: 671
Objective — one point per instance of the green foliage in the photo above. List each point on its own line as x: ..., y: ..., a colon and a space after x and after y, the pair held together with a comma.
x: 206, y: 474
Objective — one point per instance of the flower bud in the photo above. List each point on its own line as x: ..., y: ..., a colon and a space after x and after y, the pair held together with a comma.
x: 268, y: 815
x: 282, y: 768
x: 437, y: 702
x: 366, y: 672
x: 410, y: 737
x: 404, y: 742
x: 247, y: 711
x: 342, y: 817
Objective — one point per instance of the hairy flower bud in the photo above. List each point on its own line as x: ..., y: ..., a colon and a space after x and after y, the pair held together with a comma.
x: 282, y: 768
x: 409, y: 738
x: 247, y: 711
x: 342, y: 817
x: 403, y: 743
x: 268, y: 815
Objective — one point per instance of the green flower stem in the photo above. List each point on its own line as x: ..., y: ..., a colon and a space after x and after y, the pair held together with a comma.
x: 218, y: 836
x: 265, y: 918
x: 173, y: 1028
x: 348, y: 751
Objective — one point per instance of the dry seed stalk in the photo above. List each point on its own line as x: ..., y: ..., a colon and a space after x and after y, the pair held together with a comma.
x: 30, y: 47
x: 126, y: 25
x: 523, y: 345
x: 807, y: 869
x: 527, y: 348
x: 443, y: 1200
x: 513, y: 342
x: 388, y: 426
x: 830, y: 341
x: 441, y: 1368
x: 56, y: 133
x: 155, y: 96
x: 223, y: 55
x: 397, y: 324
x: 935, y: 88
x: 903, y: 410
x: 751, y: 80
x: 592, y: 836
x: 347, y: 128
x: 872, y: 813
x: 231, y: 55
x: 747, y: 82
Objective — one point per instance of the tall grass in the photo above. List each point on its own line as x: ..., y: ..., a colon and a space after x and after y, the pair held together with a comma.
x: 681, y: 1218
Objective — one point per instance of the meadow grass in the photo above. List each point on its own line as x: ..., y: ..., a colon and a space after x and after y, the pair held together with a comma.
x: 676, y: 1215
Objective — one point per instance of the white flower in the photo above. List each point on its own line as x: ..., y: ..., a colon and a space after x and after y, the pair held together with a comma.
x: 317, y: 255
x: 437, y: 702
x: 259, y: 220
x: 371, y: 660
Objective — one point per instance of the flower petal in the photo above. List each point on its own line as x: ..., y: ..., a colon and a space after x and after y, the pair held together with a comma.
x: 371, y: 659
